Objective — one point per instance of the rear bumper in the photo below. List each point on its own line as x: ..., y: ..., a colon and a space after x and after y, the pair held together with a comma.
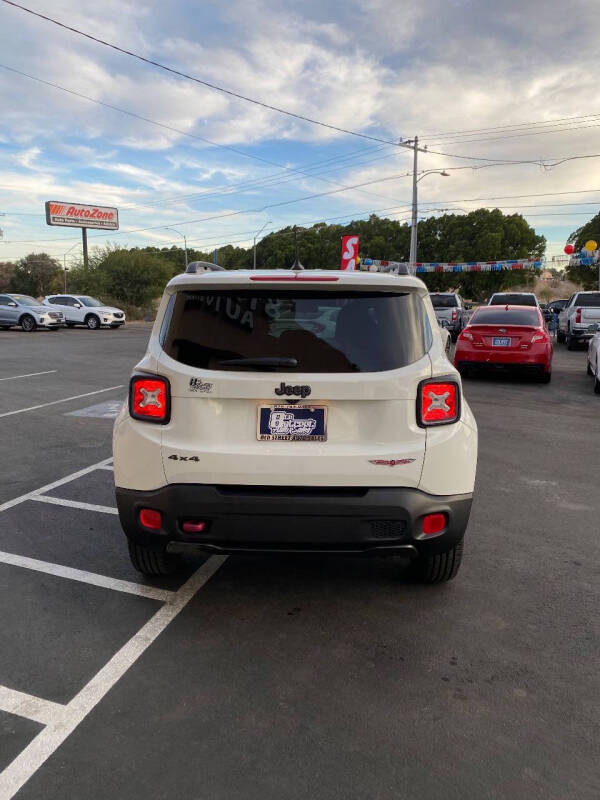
x: 516, y: 359
x: 255, y: 519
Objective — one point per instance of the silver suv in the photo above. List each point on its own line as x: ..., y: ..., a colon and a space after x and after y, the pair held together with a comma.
x: 20, y: 309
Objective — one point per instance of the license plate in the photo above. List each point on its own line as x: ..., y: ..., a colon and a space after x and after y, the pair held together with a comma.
x: 501, y: 342
x: 292, y: 423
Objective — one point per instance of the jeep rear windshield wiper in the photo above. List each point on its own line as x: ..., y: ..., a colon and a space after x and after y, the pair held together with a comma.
x: 265, y: 363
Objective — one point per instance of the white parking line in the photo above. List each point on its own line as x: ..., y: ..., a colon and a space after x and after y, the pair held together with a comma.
x: 107, y: 466
x: 60, y: 482
x: 66, y: 719
x: 61, y: 501
x: 152, y: 593
x: 29, y: 706
x: 29, y: 375
x: 64, y: 400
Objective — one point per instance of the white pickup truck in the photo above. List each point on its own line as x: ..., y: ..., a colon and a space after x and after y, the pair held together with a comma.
x: 582, y: 310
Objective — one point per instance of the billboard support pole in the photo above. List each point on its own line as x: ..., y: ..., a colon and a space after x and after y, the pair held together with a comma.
x: 84, y: 246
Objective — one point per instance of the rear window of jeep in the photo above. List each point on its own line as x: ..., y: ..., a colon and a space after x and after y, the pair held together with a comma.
x: 321, y: 331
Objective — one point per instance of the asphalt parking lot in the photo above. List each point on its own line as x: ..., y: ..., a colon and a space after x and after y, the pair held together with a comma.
x: 293, y: 678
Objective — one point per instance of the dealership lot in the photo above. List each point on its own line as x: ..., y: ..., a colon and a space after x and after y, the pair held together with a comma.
x: 293, y: 677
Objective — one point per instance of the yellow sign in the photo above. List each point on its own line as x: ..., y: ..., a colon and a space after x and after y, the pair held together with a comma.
x: 591, y: 245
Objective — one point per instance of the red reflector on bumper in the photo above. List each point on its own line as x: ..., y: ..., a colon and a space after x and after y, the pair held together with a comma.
x: 434, y: 523
x: 150, y: 518
x: 193, y: 527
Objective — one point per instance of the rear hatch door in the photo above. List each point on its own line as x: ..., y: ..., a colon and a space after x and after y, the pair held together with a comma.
x: 333, y: 404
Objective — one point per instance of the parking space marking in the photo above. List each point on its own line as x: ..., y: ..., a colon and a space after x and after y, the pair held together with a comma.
x: 55, y: 484
x: 64, y: 400
x: 29, y: 375
x: 151, y: 592
x: 66, y: 719
x: 61, y: 501
x: 28, y: 706
x: 107, y: 466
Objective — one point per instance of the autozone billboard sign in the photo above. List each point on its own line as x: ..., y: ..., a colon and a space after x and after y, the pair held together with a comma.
x: 69, y: 215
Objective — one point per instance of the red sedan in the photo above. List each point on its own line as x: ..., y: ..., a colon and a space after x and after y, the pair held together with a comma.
x: 506, y: 337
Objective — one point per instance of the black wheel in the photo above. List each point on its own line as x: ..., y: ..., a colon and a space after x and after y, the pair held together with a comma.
x: 441, y: 567
x: 590, y: 371
x: 570, y: 340
x: 70, y: 324
x: 560, y: 337
x: 28, y: 323
x: 545, y: 377
x: 596, y: 384
x: 151, y: 561
x: 454, y: 335
x: 93, y: 322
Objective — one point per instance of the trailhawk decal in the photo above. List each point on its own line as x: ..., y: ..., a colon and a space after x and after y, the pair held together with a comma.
x: 203, y: 387
x: 390, y: 462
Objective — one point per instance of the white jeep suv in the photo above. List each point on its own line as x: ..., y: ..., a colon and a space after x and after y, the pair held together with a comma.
x: 295, y: 411
x: 84, y: 310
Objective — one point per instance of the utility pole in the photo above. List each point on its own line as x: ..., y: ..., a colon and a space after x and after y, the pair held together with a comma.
x: 84, y: 245
x: 413, y: 229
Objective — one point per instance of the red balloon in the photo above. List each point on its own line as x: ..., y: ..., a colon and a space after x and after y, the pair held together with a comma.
x: 569, y: 249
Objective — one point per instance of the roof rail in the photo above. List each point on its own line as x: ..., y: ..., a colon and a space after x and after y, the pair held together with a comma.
x: 202, y: 266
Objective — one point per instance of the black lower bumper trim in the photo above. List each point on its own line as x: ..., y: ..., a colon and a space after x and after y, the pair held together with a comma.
x: 253, y: 519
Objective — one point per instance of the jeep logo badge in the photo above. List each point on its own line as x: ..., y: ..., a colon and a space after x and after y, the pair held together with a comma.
x: 298, y: 391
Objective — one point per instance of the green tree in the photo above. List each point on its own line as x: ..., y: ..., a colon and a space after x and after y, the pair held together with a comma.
x: 36, y: 274
x: 7, y: 270
x: 587, y: 276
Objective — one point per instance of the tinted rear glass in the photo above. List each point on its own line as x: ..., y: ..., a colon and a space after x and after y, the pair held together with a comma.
x: 325, y: 331
x: 513, y: 300
x: 588, y: 300
x: 443, y: 300
x: 499, y: 316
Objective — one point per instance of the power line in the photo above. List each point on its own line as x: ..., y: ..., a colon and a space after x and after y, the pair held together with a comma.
x: 197, y: 80
x: 497, y: 128
x: 516, y: 135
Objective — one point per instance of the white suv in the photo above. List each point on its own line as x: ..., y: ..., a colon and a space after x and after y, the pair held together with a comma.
x: 284, y: 411
x: 80, y: 309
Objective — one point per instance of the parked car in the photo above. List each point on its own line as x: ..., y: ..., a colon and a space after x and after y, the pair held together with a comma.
x: 29, y: 313
x: 351, y: 438
x: 449, y: 306
x: 513, y: 299
x: 84, y: 310
x: 581, y: 311
x: 505, y: 337
x: 593, y: 355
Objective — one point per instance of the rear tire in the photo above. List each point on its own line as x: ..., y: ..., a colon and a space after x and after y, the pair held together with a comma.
x: 28, y: 323
x: 440, y: 567
x: 560, y: 337
x: 93, y: 322
x: 590, y: 371
x: 596, y: 384
x: 152, y: 561
x: 570, y: 341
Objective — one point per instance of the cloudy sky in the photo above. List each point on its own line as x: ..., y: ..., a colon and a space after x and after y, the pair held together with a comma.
x: 481, y: 84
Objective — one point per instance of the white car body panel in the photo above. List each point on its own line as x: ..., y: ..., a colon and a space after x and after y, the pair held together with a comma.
x: 371, y: 416
x: 593, y: 354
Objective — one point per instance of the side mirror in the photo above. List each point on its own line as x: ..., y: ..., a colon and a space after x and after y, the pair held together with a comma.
x: 12, y: 304
x: 77, y: 305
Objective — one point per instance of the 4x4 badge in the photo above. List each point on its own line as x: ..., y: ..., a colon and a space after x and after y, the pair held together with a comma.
x: 298, y: 391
